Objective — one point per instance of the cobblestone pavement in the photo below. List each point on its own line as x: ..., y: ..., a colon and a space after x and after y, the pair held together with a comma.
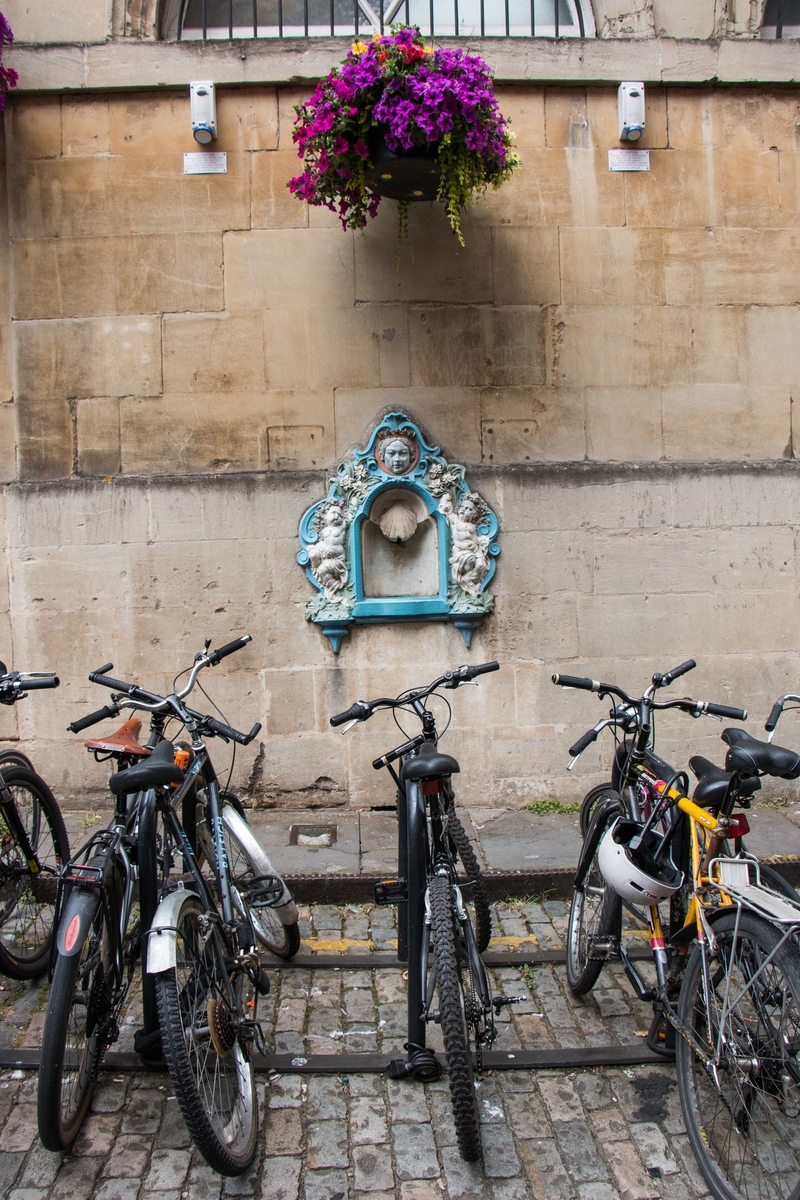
x: 598, y: 1134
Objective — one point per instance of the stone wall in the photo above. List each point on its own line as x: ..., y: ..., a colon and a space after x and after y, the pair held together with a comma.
x: 190, y: 356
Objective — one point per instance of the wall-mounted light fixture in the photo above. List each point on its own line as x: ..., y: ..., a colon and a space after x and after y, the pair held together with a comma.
x: 204, y: 111
x: 630, y: 104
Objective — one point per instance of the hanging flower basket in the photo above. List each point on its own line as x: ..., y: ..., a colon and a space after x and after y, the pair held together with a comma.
x: 402, y: 120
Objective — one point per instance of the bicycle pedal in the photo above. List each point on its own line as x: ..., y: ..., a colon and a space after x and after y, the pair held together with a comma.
x: 602, y: 949
x: 390, y: 891
x: 499, y: 1002
x: 661, y: 1036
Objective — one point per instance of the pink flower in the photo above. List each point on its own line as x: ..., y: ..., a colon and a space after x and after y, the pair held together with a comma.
x: 340, y: 145
x: 361, y: 149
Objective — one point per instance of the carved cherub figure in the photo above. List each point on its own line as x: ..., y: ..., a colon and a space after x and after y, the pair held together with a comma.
x: 327, y: 555
x: 469, y: 551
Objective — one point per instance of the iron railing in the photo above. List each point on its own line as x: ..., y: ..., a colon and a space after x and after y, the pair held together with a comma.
x: 221, y: 19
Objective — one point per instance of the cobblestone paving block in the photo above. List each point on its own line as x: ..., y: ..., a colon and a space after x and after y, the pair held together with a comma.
x: 325, y: 1098
x: 597, y: 1191
x: 280, y: 1178
x: 404, y: 1101
x: 630, y: 1176
x: 414, y: 1151
x: 173, y: 1134
x: 143, y: 1111
x: 10, y: 1163
x: 128, y: 1159
x: 283, y: 1131
x: 500, y: 1159
x: 168, y: 1170
x: 97, y: 1135
x: 76, y: 1180
x: 117, y: 1189
x: 326, y: 1144
x: 109, y: 1095
x: 373, y: 1168
x: 546, y: 1174
x: 368, y: 1125
x: 561, y: 1100
x: 20, y: 1130
x: 202, y: 1183
x: 653, y: 1149
x: 463, y: 1179
x: 325, y: 1185
x: 27, y: 1194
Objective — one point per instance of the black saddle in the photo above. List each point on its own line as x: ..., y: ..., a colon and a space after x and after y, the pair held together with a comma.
x: 158, y: 770
x: 712, y: 786
x: 751, y: 756
x: 428, y: 763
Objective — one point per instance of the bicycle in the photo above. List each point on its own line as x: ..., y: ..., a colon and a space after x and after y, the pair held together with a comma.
x: 727, y: 972
x: 33, y: 846
x: 444, y: 921
x: 207, y: 883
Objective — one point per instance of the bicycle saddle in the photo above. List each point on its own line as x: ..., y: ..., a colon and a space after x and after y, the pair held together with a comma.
x: 748, y: 754
x: 125, y: 740
x: 712, y: 786
x: 156, y: 771
x: 428, y: 763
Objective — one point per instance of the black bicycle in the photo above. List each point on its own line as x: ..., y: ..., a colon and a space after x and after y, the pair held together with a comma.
x: 33, y: 847
x: 444, y: 920
x: 204, y: 887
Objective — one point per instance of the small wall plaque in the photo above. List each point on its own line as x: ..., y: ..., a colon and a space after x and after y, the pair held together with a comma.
x: 205, y: 162
x: 629, y: 160
x: 399, y: 537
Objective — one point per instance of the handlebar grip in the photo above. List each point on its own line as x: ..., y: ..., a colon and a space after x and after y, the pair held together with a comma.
x: 483, y: 669
x: 110, y: 710
x: 582, y: 742
x: 359, y: 711
x: 231, y: 734
x: 576, y: 681
x: 33, y: 685
x: 722, y: 710
x: 774, y: 716
x: 676, y: 672
x: 228, y: 648
x: 116, y: 685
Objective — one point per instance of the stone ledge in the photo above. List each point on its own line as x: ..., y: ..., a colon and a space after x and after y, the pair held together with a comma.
x: 125, y: 65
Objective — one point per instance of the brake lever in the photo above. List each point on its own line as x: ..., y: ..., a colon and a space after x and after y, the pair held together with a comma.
x: 349, y: 725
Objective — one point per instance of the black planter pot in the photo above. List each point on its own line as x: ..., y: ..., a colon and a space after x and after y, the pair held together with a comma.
x: 402, y: 174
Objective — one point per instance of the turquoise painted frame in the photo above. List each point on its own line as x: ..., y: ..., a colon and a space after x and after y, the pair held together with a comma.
x: 330, y: 536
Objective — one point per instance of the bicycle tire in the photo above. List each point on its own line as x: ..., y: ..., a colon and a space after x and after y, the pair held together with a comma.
x: 773, y: 879
x: 453, y: 1019
x: 588, y: 805
x: 72, y: 1045
x: 211, y: 1073
x: 475, y: 898
x: 741, y: 1116
x: 595, y: 912
x: 248, y: 860
x: 27, y: 899
x: 15, y: 758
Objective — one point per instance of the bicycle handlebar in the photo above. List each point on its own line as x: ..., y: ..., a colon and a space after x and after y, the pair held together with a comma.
x: 722, y: 710
x: 576, y: 681
x: 33, y: 685
x: 362, y: 710
x: 110, y: 710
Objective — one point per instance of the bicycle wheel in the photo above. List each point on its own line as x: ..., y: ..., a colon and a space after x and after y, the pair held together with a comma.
x: 76, y: 1030
x: 209, y: 1062
x: 475, y: 897
x: 248, y: 861
x: 28, y: 898
x: 595, y: 916
x: 453, y: 1018
x: 588, y: 804
x: 739, y: 1083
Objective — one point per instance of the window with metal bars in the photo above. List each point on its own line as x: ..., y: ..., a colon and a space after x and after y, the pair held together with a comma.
x: 204, y: 20
x: 781, y: 19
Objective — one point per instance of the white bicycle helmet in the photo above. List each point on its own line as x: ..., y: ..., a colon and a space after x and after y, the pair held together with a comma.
x: 634, y: 874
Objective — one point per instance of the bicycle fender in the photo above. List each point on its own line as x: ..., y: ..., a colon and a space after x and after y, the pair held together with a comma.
x: 162, y: 940
x: 285, y: 909
x: 604, y: 813
x: 79, y: 913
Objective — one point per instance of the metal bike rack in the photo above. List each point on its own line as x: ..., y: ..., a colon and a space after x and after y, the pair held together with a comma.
x: 565, y: 1058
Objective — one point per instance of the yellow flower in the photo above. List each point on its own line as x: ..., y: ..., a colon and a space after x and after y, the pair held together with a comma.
x: 428, y: 49
x: 358, y: 48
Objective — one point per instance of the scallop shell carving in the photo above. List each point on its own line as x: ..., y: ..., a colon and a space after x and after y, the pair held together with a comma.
x: 399, y: 522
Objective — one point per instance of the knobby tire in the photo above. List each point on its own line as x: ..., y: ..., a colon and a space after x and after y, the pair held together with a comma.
x: 453, y: 1019
x: 28, y: 899
x: 214, y: 1085
x: 475, y: 895
x: 742, y: 1116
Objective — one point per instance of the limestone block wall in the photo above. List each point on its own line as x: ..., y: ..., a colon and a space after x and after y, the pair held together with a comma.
x: 612, y: 572
x: 184, y: 359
